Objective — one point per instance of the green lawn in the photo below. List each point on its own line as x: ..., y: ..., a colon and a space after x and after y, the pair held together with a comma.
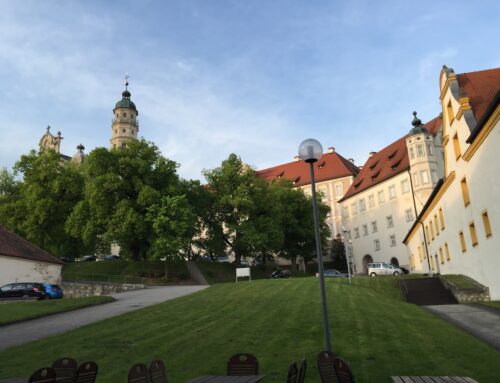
x: 23, y: 310
x: 277, y: 320
x: 126, y: 271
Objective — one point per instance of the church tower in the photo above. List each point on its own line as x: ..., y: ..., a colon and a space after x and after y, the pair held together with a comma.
x: 125, y: 125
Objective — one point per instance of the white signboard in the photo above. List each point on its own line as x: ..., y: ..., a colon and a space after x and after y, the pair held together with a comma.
x: 243, y: 272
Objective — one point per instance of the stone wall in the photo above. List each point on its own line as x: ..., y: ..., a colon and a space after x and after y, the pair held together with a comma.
x: 89, y: 289
x: 478, y: 293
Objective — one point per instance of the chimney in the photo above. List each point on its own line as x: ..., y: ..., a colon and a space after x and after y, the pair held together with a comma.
x: 351, y: 160
x: 331, y: 149
x: 296, y: 158
x: 372, y: 154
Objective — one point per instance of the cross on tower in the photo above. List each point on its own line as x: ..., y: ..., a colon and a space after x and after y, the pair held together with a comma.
x: 126, y: 80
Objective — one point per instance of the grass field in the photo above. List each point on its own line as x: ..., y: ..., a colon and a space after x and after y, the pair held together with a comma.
x: 277, y: 320
x: 495, y: 304
x: 125, y: 271
x: 22, y: 310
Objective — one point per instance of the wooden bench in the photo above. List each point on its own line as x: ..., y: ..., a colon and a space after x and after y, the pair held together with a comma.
x: 432, y: 379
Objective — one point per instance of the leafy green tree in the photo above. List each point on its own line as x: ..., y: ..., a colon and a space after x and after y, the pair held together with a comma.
x: 123, y: 187
x: 37, y: 206
x: 241, y: 213
x: 297, y: 222
x: 337, y: 252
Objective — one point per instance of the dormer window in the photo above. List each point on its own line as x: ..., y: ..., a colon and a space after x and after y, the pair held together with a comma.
x: 391, y: 156
x: 321, y: 165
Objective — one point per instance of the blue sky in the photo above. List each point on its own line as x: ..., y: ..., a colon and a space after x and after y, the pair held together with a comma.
x: 251, y: 77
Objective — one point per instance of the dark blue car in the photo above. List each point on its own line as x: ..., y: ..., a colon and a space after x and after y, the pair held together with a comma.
x: 53, y: 291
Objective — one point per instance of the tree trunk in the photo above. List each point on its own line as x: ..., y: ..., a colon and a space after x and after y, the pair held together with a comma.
x: 294, y: 262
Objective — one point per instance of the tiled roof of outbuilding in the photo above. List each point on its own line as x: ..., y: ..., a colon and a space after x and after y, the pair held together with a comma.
x: 481, y: 87
x: 387, y: 163
x: 330, y: 166
x: 12, y: 245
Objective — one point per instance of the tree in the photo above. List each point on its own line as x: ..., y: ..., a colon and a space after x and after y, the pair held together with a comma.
x: 38, y: 206
x: 297, y: 222
x: 241, y: 213
x: 337, y: 252
x: 123, y: 187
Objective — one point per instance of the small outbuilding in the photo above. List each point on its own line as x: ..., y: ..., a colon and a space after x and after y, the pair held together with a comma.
x: 22, y: 261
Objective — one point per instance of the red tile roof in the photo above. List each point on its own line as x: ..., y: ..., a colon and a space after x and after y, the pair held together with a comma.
x: 481, y: 88
x: 330, y: 166
x: 387, y: 163
x: 12, y: 245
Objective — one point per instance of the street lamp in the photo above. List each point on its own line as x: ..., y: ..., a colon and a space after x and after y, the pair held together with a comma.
x: 344, y: 230
x: 310, y: 151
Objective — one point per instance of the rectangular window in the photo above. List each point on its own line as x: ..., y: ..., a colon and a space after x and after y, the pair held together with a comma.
x: 374, y: 226
x: 462, y: 242
x: 405, y: 186
x: 441, y: 257
x: 356, y: 232
x: 409, y: 215
x: 430, y: 149
x: 425, y: 176
x: 376, y: 244
x: 416, y: 180
x: 339, y: 190
x: 345, y: 211
x: 449, y: 110
x: 447, y: 251
x: 434, y: 176
x: 354, y: 209
x: 412, y: 153
x: 322, y: 192
x: 428, y: 234
x: 422, y: 247
x: 473, y: 234
x: 389, y: 221
x: 432, y: 229
x: 420, y: 255
x: 432, y: 263
x: 381, y: 197
x: 441, y: 218
x: 456, y: 146
x: 465, y: 191
x: 420, y: 150
x: 362, y: 205
x: 486, y: 224
x: 365, y: 230
x: 371, y: 200
x: 436, y: 224
x: 392, y: 240
x: 392, y: 191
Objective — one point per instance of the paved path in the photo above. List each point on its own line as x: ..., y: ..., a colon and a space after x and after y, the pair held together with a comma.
x: 481, y: 322
x: 29, y: 331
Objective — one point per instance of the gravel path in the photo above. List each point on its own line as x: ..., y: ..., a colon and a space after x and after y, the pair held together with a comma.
x: 32, y: 330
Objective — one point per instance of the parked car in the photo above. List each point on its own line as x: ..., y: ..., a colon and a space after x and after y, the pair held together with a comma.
x: 53, y: 291
x: 108, y: 258
x: 22, y: 290
x: 382, y: 268
x: 66, y: 259
x: 223, y: 259
x: 89, y: 258
x: 281, y: 274
x: 333, y: 273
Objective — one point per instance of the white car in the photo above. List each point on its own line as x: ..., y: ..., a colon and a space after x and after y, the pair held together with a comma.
x: 382, y: 268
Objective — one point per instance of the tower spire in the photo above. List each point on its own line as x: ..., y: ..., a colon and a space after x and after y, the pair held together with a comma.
x: 126, y: 80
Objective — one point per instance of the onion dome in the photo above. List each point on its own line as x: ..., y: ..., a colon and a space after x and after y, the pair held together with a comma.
x: 125, y: 101
x: 418, y: 128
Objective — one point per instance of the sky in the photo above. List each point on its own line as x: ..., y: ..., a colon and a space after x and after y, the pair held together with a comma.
x: 254, y: 78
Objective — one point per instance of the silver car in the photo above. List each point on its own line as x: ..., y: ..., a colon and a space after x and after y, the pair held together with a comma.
x: 382, y: 268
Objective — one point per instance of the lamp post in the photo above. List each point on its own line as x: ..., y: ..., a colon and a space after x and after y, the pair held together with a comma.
x: 344, y: 230
x: 310, y: 151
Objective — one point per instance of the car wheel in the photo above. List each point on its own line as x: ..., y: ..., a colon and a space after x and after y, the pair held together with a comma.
x: 373, y: 275
x: 25, y: 296
x: 396, y: 273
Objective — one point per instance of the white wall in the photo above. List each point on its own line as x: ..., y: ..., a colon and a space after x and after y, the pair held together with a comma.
x: 20, y: 270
